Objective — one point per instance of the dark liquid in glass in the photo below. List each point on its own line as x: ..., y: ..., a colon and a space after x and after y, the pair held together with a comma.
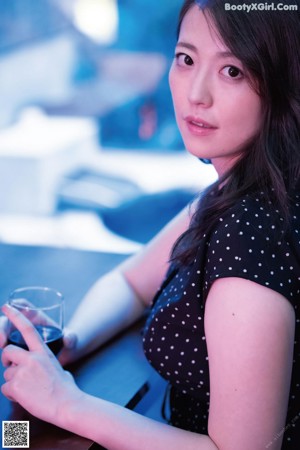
x: 51, y: 336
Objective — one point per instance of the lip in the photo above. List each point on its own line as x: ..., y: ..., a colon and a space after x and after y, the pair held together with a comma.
x: 198, y: 126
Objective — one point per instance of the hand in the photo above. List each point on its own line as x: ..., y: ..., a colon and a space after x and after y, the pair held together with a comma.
x: 33, y: 316
x: 68, y: 352
x: 34, y: 378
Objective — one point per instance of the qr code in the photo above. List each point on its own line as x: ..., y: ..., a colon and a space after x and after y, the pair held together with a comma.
x: 15, y: 434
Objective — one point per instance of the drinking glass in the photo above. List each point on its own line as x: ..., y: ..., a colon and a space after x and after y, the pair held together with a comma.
x: 44, y: 307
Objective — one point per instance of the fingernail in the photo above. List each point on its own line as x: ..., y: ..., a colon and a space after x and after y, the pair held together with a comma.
x: 7, y: 306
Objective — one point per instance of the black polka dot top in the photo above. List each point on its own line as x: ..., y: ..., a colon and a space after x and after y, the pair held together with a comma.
x: 248, y: 242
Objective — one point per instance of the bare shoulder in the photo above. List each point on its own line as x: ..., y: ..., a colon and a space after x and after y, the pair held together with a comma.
x: 250, y: 336
x: 241, y: 297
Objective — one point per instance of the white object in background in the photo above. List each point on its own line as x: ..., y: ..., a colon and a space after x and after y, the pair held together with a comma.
x: 38, y: 72
x: 34, y: 155
x: 80, y: 230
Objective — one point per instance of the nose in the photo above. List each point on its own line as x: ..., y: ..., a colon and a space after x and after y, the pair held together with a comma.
x: 201, y: 89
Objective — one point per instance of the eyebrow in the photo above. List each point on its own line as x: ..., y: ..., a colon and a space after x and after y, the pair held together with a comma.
x: 220, y: 54
x: 226, y: 54
x: 186, y: 45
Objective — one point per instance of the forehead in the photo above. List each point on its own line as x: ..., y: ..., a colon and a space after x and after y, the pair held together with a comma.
x: 199, y: 29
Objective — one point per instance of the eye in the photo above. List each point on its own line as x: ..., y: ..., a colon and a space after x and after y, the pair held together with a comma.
x: 232, y: 72
x: 183, y: 59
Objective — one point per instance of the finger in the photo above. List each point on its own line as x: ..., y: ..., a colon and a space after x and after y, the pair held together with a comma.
x: 66, y: 355
x: 6, y: 391
x: 3, y: 331
x: 9, y: 373
x: 31, y: 337
x: 35, y: 316
x: 12, y: 355
x: 70, y: 339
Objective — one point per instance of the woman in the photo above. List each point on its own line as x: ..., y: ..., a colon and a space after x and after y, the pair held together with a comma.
x: 224, y: 325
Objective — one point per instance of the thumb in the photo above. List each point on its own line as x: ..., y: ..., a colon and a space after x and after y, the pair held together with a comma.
x: 68, y: 352
x: 70, y: 339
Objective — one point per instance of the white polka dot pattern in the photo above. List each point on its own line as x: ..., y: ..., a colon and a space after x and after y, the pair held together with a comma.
x: 248, y: 242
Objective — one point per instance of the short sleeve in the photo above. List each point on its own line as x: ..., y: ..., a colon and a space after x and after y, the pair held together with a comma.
x: 249, y: 242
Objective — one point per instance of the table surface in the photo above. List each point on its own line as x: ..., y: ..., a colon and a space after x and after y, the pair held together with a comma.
x: 117, y: 371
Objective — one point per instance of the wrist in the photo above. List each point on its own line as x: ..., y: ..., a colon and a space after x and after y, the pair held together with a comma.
x: 69, y: 411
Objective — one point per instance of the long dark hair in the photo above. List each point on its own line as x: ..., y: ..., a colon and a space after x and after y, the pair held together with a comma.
x: 267, y: 42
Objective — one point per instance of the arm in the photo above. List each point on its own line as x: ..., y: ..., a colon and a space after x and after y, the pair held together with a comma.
x: 249, y: 386
x: 119, y: 298
x: 250, y: 338
x: 115, y: 427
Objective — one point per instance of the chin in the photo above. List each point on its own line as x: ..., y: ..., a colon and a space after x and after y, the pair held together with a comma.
x: 198, y: 154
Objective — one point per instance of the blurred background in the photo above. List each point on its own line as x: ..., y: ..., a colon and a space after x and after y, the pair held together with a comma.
x: 90, y: 155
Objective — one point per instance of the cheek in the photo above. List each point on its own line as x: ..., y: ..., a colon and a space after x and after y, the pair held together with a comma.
x: 178, y: 86
x: 247, y: 116
x: 253, y: 119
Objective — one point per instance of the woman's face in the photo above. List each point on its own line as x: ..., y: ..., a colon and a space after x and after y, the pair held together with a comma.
x: 216, y: 109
